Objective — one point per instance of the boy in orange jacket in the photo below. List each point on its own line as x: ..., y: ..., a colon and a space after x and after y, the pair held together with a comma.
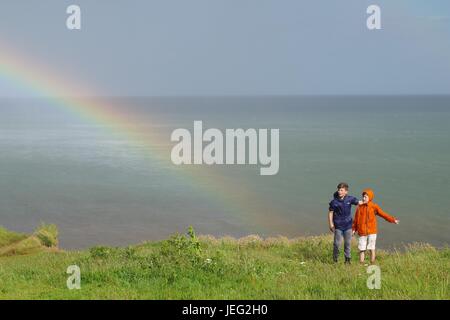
x: 365, y: 223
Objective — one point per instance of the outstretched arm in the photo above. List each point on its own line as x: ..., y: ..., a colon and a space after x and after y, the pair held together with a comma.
x: 356, y: 202
x: 386, y: 216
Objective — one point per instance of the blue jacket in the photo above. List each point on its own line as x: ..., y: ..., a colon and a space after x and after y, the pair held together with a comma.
x: 342, y: 211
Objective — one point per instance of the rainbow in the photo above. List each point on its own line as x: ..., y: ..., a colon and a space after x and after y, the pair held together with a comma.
x: 40, y: 79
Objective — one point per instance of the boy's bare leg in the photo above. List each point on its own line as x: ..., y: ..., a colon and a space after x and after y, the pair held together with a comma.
x: 361, y: 256
x: 372, y: 256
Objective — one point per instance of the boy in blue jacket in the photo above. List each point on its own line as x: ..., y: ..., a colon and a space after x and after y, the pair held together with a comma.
x: 340, y: 220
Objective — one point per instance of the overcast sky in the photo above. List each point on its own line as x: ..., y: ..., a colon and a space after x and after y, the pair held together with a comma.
x: 234, y: 47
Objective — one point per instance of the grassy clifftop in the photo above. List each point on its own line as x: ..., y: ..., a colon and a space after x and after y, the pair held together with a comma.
x: 191, y: 267
x: 44, y: 238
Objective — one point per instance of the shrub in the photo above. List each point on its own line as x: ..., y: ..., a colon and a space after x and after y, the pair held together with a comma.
x: 101, y: 252
x: 47, y: 234
x: 181, y: 247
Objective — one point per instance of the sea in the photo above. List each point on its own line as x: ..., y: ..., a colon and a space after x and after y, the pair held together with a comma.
x: 104, y: 181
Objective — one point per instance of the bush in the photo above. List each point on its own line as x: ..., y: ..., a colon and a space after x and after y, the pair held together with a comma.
x: 181, y: 247
x: 100, y: 252
x: 47, y: 234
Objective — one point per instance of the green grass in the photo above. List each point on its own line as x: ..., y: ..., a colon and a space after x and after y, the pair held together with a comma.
x: 191, y: 267
x: 8, y: 237
x: 44, y: 238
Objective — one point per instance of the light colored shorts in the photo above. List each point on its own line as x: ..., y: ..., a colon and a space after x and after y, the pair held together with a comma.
x: 367, y: 242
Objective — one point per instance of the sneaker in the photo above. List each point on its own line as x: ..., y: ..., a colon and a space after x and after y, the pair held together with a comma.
x: 347, y: 260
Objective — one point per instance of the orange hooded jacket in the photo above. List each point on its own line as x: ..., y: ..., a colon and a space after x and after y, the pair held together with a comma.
x: 365, y: 221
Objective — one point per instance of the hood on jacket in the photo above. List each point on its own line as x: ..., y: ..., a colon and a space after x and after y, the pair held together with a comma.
x: 336, y: 196
x: 370, y: 193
